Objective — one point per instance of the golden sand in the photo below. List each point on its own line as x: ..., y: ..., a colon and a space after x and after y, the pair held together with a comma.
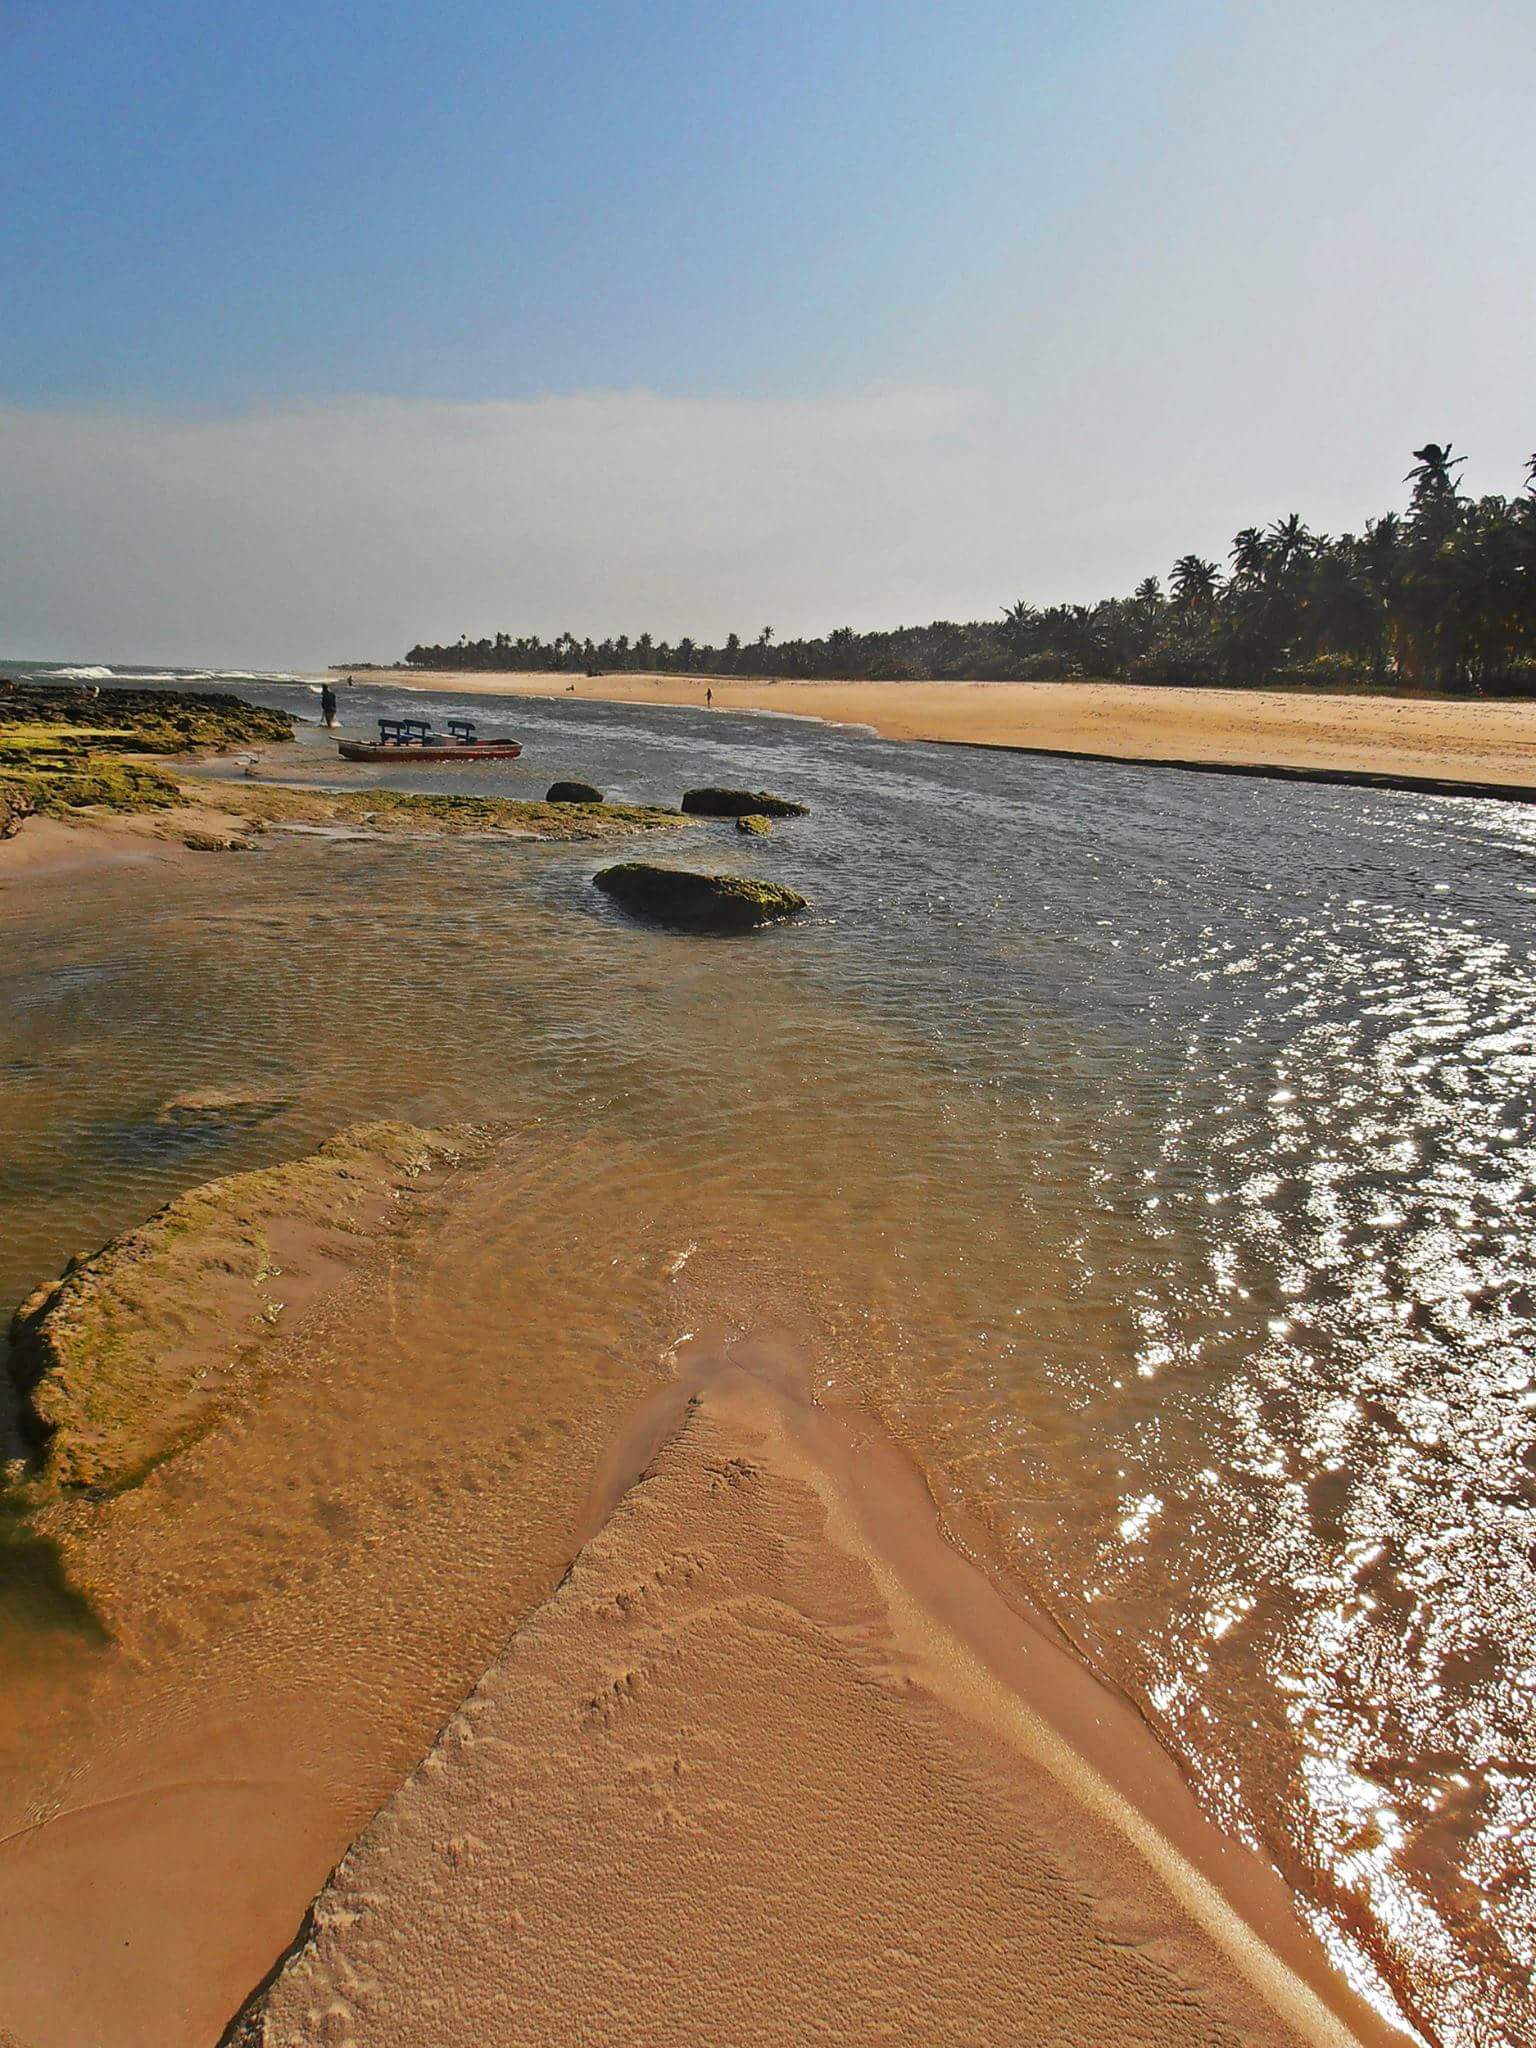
x: 1397, y: 738
x: 776, y: 1764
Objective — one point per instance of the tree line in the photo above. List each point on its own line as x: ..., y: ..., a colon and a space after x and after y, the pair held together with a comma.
x: 1442, y: 596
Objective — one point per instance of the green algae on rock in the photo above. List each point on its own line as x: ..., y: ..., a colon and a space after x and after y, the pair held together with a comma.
x: 69, y: 750
x: 697, y: 902
x: 17, y: 804
x: 754, y: 825
x: 741, y: 803
x: 142, y: 721
x: 139, y: 1347
x: 573, y: 793
x: 413, y: 811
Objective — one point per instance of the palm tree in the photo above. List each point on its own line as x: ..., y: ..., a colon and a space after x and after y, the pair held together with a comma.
x: 1249, y: 556
x: 1289, y: 542
x: 1194, y: 583
x: 1432, y: 474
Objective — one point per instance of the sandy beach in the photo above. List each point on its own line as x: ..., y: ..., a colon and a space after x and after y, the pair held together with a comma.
x: 504, y: 1662
x: 1397, y: 739
x: 776, y: 1763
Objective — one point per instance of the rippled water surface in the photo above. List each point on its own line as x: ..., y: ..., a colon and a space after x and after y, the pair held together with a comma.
x: 1158, y: 1147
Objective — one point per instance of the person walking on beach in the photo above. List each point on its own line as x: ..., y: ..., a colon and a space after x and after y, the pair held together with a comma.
x: 709, y: 698
x: 328, y: 704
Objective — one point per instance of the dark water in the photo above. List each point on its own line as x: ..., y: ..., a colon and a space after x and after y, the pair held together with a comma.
x: 1164, y: 1143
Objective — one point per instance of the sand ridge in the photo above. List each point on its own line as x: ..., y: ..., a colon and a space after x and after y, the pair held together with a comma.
x: 723, y: 1787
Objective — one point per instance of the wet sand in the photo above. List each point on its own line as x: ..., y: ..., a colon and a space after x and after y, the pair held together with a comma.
x: 1399, y: 740
x: 777, y: 1758
x: 776, y: 1763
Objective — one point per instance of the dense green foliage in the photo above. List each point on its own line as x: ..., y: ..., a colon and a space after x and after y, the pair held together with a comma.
x: 1441, y: 597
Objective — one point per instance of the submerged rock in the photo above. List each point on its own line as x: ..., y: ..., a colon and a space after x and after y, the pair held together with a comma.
x: 741, y: 803
x: 573, y: 793
x: 139, y: 1347
x: 758, y: 828
x: 222, y: 1106
x: 697, y: 902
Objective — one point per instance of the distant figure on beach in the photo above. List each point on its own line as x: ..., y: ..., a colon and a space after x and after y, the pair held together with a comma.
x: 328, y: 704
x: 709, y: 698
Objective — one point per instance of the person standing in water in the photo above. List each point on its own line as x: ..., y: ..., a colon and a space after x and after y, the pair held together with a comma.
x: 328, y: 704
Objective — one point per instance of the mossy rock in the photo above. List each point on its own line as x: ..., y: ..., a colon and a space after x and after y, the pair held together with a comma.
x: 17, y: 803
x: 697, y: 902
x: 215, y: 842
x: 102, y: 782
x: 573, y: 793
x: 138, y: 1348
x: 419, y: 813
x: 154, y: 721
x: 754, y: 826
x: 741, y: 803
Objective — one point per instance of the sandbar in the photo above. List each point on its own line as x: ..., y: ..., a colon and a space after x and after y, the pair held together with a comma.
x: 776, y: 1763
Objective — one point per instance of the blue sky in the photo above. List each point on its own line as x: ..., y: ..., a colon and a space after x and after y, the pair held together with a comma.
x: 1159, y: 267
x: 482, y: 200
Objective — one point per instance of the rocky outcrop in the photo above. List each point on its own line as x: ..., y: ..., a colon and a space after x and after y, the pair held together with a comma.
x: 573, y: 793
x: 151, y: 721
x: 741, y: 803
x: 697, y: 902
x: 139, y: 1347
x: 16, y: 804
x: 215, y: 842
x: 754, y: 826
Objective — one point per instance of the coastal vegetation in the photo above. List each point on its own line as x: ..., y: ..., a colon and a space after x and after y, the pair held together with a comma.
x: 1440, y: 596
x: 698, y: 902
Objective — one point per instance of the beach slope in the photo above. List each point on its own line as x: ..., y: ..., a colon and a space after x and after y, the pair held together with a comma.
x: 739, y: 1780
x: 1407, y: 741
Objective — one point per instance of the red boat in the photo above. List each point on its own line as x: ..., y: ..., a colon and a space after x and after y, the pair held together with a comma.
x: 394, y: 755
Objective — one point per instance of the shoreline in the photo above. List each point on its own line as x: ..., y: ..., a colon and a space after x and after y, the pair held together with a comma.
x: 757, y: 1566
x: 1432, y: 745
x: 921, y: 1687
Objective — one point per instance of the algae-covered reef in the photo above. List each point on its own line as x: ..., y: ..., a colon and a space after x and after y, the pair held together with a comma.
x: 741, y: 803
x: 139, y: 1347
x: 407, y: 811
x: 698, y: 902
x: 143, y: 721
x: 67, y: 750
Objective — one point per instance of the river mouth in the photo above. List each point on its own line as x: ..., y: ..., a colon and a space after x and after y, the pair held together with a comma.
x: 1153, y: 1153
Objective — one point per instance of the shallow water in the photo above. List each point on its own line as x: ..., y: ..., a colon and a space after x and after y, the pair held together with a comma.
x: 1156, y: 1149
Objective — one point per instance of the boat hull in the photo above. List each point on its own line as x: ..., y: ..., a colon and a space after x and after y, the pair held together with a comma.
x: 402, y: 757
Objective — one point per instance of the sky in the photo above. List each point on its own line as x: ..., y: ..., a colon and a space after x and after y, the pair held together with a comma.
x: 327, y: 328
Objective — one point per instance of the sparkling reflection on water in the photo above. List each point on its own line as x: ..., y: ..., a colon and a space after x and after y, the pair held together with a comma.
x: 1164, y: 1143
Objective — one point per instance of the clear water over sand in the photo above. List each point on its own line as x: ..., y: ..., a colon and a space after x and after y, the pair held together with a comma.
x: 1156, y: 1151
